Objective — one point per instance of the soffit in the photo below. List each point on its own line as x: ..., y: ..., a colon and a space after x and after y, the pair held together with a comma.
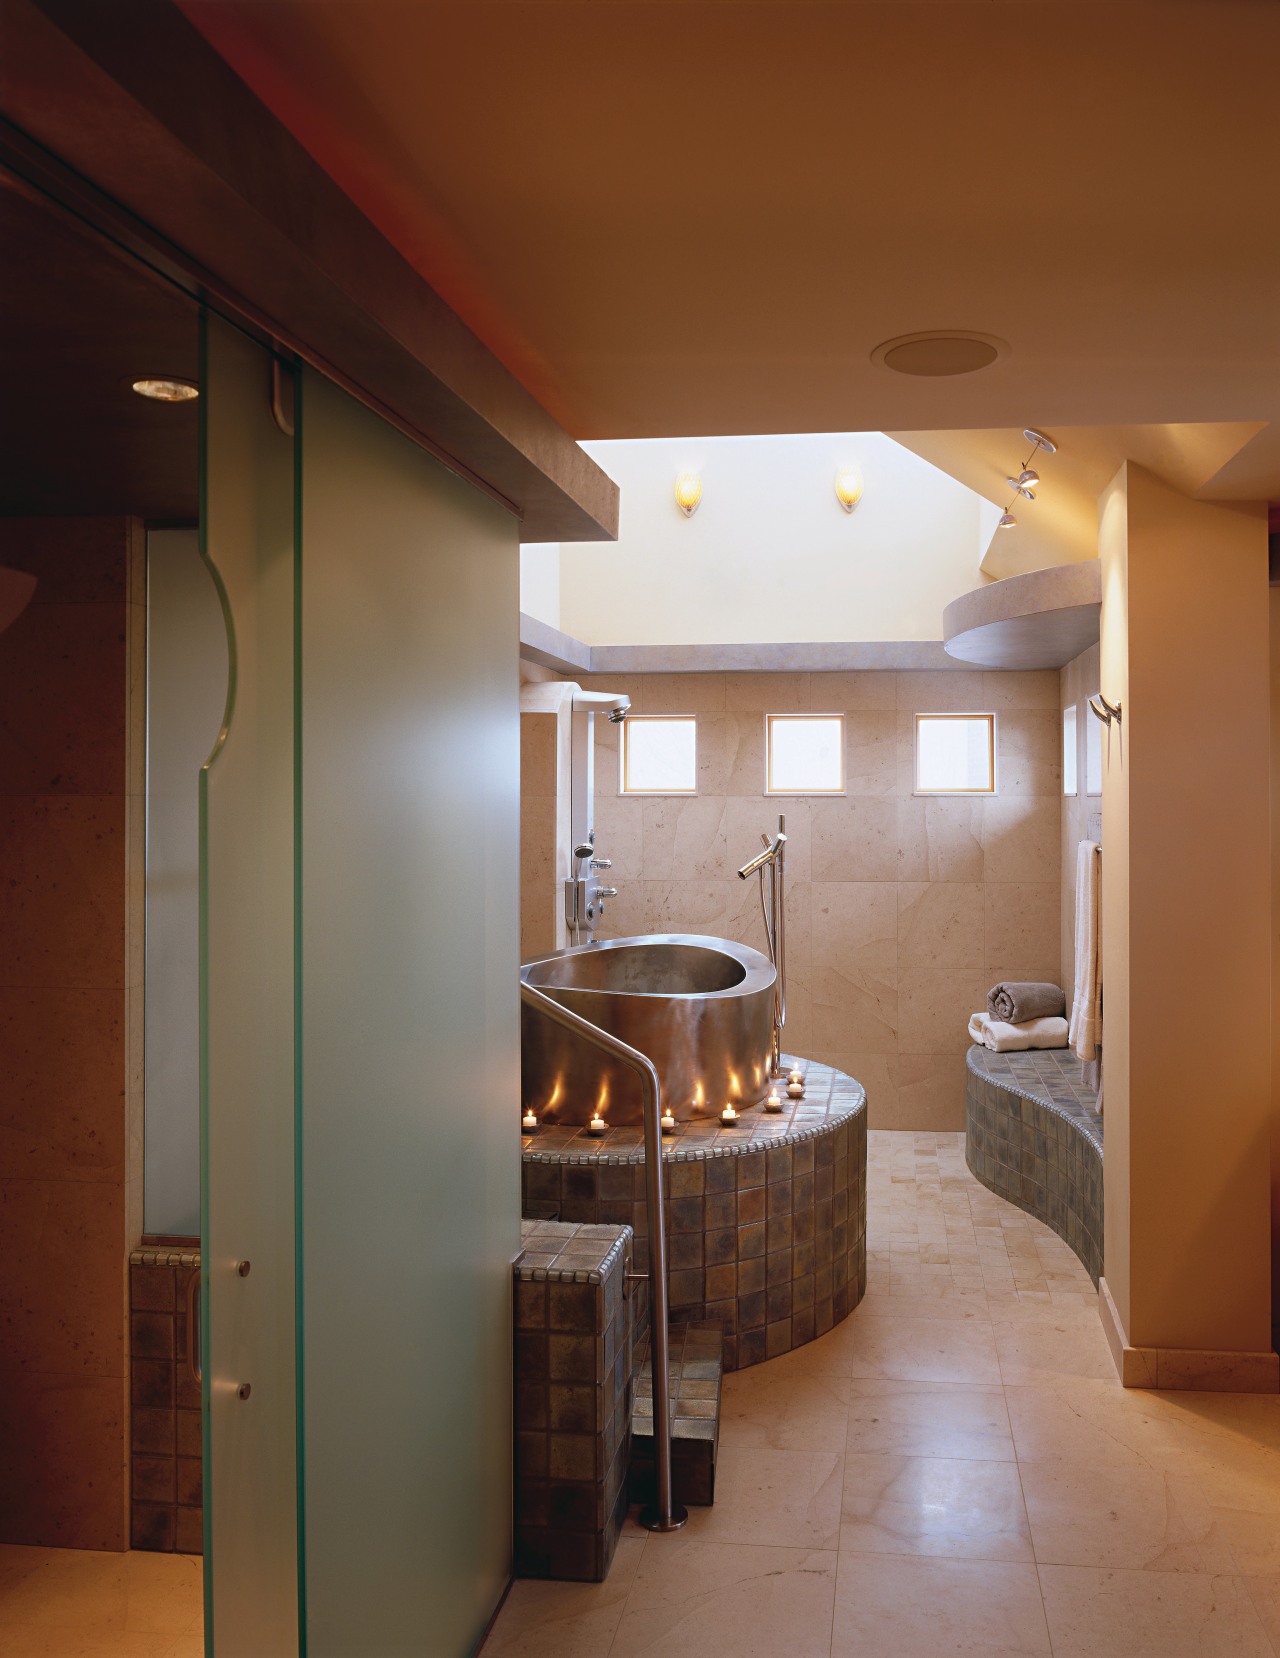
x: 700, y: 218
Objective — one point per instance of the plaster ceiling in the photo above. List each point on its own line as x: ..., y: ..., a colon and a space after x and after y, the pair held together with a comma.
x: 682, y: 218
x: 79, y: 323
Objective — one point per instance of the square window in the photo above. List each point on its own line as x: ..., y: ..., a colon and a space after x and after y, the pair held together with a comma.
x: 1093, y: 753
x: 658, y: 754
x: 1069, y: 752
x: 955, y: 754
x: 805, y: 754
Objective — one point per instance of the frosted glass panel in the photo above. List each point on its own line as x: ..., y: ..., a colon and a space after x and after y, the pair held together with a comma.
x: 410, y: 1136
x: 1070, y: 753
x: 659, y: 756
x: 955, y: 754
x: 186, y: 698
x: 806, y: 754
x: 247, y: 827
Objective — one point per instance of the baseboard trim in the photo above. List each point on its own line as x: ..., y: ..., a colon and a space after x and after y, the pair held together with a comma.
x: 1178, y: 1369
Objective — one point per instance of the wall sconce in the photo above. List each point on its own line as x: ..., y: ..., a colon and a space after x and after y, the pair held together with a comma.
x: 688, y: 492
x: 848, y: 487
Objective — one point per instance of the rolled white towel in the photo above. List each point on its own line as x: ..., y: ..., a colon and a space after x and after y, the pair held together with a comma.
x: 1003, y: 1038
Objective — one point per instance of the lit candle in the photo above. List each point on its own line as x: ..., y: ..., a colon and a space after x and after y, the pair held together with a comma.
x: 796, y: 1090
x: 774, y: 1102
x: 529, y: 1121
x: 795, y: 1074
x: 667, y: 1122
x: 597, y: 1125
x: 728, y: 1115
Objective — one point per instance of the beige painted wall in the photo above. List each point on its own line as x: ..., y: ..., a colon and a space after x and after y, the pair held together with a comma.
x: 901, y: 911
x: 770, y: 554
x: 1081, y: 812
x: 1186, y: 928
x: 1274, y: 601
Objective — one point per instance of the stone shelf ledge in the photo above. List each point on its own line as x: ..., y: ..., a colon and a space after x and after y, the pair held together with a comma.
x: 1039, y: 620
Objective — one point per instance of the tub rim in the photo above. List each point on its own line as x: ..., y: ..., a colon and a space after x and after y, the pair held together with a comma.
x: 758, y: 969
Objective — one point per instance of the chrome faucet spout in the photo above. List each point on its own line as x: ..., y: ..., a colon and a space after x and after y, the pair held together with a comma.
x: 770, y: 855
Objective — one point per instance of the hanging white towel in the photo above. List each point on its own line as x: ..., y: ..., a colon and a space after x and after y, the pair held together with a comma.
x: 1086, y: 999
x: 1004, y: 1038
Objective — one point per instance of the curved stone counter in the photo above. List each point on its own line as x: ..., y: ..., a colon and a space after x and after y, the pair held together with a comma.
x: 1032, y: 1136
x: 767, y: 1219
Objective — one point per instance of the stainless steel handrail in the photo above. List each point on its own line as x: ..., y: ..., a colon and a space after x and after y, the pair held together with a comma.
x: 665, y: 1514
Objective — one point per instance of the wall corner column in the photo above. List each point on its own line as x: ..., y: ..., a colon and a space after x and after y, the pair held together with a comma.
x: 1186, y: 938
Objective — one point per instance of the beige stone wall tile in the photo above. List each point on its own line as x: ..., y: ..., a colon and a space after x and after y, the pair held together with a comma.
x: 769, y: 693
x: 1033, y: 688
x: 931, y: 1091
x: 684, y: 837
x: 855, y: 839
x: 934, y: 1007
x: 731, y: 753
x: 854, y: 1009
x: 868, y: 689
x: 871, y: 751
x: 1022, y: 930
x: 940, y: 924
x: 749, y: 817
x: 667, y: 693
x: 1021, y: 838
x: 941, y: 691
x: 855, y: 926
x: 1028, y: 751
x: 940, y: 839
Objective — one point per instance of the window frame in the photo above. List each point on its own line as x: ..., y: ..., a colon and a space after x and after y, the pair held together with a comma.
x: 624, y: 790
x: 988, y: 714
x: 800, y: 794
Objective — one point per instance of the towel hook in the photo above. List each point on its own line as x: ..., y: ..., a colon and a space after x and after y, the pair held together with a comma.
x: 1107, y: 711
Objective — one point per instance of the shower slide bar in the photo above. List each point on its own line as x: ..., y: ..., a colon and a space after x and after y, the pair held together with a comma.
x: 665, y: 1514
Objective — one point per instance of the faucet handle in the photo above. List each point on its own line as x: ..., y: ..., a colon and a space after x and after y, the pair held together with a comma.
x: 606, y: 892
x: 602, y: 863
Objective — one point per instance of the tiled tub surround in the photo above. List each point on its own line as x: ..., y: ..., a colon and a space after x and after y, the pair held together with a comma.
x: 902, y: 910
x: 766, y: 1219
x: 1034, y: 1137
x: 166, y: 1512
x: 573, y: 1393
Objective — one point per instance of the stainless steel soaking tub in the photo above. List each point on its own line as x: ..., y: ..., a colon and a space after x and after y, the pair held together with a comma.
x: 700, y: 1008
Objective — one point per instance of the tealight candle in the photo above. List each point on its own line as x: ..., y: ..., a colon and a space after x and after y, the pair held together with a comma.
x: 795, y: 1074
x: 728, y: 1115
x: 597, y: 1125
x: 529, y: 1121
x: 774, y: 1102
x: 796, y: 1090
x: 667, y: 1122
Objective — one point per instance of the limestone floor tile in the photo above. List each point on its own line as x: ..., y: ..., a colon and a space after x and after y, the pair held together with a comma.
x: 1130, y: 1517
x: 1047, y: 1342
x: 891, y: 1606
x: 1091, y: 1423
x: 897, y: 1504
x: 914, y: 1349
x: 130, y: 1595
x: 784, y: 1499
x: 1232, y: 1443
x: 1253, y: 1536
x: 723, y: 1600
x: 912, y: 1295
x: 1122, y: 1614
x: 1265, y: 1593
x: 794, y: 1412
x: 566, y: 1620
x: 929, y: 1419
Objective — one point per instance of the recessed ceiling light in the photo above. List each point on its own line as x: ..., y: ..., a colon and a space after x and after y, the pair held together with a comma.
x: 167, y: 389
x: 939, y: 352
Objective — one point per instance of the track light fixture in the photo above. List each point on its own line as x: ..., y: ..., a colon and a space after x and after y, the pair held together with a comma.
x: 1023, y: 486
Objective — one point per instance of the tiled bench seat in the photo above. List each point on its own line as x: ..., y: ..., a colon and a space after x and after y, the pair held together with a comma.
x: 1032, y: 1136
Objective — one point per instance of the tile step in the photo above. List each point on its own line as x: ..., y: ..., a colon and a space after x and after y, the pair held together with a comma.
x: 696, y: 1370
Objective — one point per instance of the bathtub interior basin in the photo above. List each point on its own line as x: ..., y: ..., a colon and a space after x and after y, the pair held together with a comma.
x: 700, y: 1008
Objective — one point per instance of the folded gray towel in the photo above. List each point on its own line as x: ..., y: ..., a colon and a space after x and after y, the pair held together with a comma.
x: 1016, y: 1003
